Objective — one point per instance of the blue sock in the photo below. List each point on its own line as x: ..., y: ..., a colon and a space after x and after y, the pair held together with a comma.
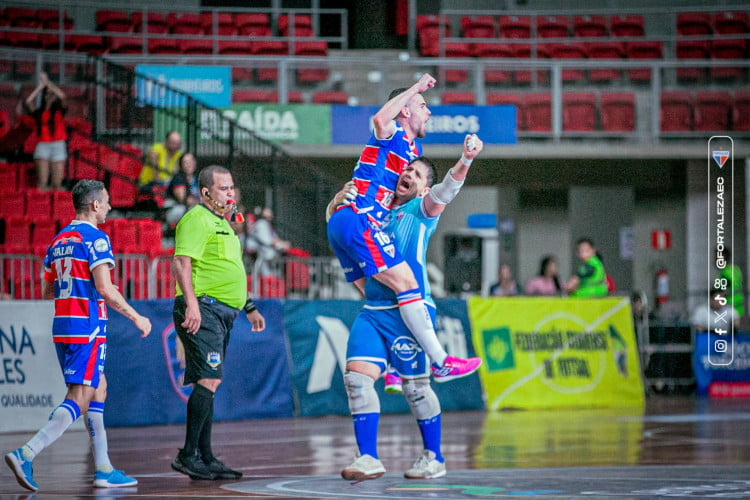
x: 366, y: 432
x: 430, y: 429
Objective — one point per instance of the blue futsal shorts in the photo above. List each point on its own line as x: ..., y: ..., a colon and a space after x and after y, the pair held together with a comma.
x: 83, y: 364
x: 362, y: 249
x: 380, y: 336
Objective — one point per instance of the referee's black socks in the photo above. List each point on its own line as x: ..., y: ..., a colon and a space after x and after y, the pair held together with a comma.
x: 200, y: 409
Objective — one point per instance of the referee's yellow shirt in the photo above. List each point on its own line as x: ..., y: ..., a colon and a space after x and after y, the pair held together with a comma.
x: 216, y: 256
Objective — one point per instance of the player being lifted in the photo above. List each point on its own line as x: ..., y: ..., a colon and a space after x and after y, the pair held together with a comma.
x: 354, y: 230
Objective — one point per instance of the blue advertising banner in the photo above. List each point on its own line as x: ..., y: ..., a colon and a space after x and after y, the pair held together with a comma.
x: 733, y: 367
x: 447, y: 125
x: 145, y: 375
x: 318, y: 333
x: 212, y: 85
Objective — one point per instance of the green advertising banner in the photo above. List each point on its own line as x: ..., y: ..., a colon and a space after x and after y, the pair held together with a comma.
x: 293, y: 123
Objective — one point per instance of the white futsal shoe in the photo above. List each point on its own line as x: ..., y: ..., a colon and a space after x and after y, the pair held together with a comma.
x: 426, y: 467
x: 363, y: 468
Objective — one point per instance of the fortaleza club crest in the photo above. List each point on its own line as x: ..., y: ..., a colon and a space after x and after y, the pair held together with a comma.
x: 720, y: 157
x: 213, y: 359
x: 405, y: 348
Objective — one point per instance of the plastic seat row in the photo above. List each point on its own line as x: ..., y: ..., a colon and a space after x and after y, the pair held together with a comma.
x: 24, y: 17
x: 323, y: 97
x: 705, y: 111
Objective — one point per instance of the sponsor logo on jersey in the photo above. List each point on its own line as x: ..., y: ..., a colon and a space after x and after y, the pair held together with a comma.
x: 405, y: 348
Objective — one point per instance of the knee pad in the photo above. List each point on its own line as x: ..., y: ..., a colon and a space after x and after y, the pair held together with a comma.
x: 422, y: 399
x: 360, y: 390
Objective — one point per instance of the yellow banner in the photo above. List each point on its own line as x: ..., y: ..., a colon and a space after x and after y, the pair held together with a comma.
x: 555, y: 353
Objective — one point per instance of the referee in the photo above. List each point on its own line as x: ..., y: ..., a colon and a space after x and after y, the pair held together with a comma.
x: 211, y: 290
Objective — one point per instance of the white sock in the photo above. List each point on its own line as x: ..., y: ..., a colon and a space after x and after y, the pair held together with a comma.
x: 95, y: 426
x: 417, y: 318
x: 60, y: 419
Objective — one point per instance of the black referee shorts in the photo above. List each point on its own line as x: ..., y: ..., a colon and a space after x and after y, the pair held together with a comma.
x: 205, y: 350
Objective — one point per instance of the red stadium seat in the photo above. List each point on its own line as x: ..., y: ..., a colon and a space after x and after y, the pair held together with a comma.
x: 568, y: 51
x: 728, y: 23
x: 514, y: 26
x: 458, y: 98
x: 430, y: 28
x: 292, y: 97
x: 537, y: 110
x: 478, y: 26
x: 84, y: 164
x: 692, y: 49
x: 618, y: 112
x: 330, y: 97
x: 17, y: 234
x: 43, y: 232
x: 254, y: 24
x: 113, y: 20
x: 693, y: 23
x: 511, y: 99
x: 676, y: 111
x: 164, y: 46
x: 224, y: 22
x: 62, y: 206
x: 125, y: 236
x: 712, y: 111
x: 741, y: 110
x: 90, y: 44
x: 39, y: 204
x: 727, y: 49
x: 50, y: 19
x: 494, y: 50
x: 627, y: 25
x: 589, y: 26
x: 316, y: 72
x: 126, y: 45
x: 251, y: 96
x: 12, y: 204
x: 24, y: 40
x: 269, y: 48
x: 579, y: 111
x: 302, y: 25
x: 4, y: 122
x: 185, y: 24
x: 604, y: 50
x: 197, y: 46
x: 456, y: 49
x: 552, y: 26
x: 156, y: 22
x: 22, y: 17
x: 642, y: 50
x: 235, y: 47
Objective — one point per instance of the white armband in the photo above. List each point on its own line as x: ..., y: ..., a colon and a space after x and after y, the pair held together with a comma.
x: 446, y: 191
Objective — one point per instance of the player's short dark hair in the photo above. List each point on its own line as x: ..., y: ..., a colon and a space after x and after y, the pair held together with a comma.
x: 85, y: 191
x: 588, y: 241
x: 431, y: 170
x: 396, y: 92
x: 206, y: 175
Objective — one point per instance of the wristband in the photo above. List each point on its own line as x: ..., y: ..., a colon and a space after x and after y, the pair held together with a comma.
x: 466, y: 161
x: 249, y: 306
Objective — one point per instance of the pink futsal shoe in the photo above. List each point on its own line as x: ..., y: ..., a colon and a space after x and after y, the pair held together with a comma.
x: 454, y: 368
x: 393, y: 384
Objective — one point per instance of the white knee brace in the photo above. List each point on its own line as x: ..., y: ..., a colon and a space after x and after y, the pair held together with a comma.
x: 422, y: 399
x: 361, y: 392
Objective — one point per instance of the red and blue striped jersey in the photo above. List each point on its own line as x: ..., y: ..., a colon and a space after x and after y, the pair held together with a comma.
x: 377, y: 171
x: 80, y: 312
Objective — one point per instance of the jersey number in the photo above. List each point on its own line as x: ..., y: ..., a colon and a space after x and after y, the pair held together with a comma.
x: 64, y: 281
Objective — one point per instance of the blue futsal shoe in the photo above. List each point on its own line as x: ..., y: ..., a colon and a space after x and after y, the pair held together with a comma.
x: 22, y: 469
x: 114, y: 479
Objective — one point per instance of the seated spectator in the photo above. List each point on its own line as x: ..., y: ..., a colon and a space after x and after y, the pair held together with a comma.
x: 262, y: 238
x: 51, y: 151
x: 182, y: 192
x: 717, y: 313
x: 590, y: 279
x: 547, y: 282
x: 161, y: 163
x: 506, y: 285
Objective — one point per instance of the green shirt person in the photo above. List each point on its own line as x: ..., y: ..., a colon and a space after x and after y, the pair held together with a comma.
x: 590, y: 279
x: 211, y: 291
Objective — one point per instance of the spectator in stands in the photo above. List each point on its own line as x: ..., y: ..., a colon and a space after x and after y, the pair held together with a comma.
x: 161, y: 162
x: 506, y: 285
x: 547, y: 282
x: 262, y: 239
x: 51, y: 151
x: 182, y: 193
x: 590, y: 279
x: 717, y: 313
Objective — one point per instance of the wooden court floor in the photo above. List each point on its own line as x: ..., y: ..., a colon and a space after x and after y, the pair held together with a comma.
x: 680, y: 446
